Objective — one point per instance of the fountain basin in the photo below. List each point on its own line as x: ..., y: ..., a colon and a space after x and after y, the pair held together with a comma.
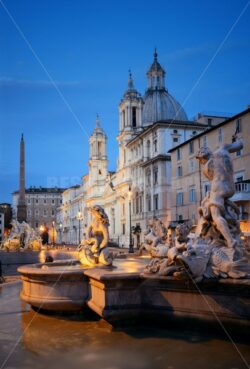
x: 57, y: 286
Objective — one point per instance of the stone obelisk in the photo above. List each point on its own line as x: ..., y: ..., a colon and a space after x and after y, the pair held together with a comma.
x: 21, y: 206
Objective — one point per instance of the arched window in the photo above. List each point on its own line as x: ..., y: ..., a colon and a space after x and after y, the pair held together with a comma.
x: 99, y: 149
x: 133, y: 116
x: 123, y: 118
x: 137, y: 203
x: 148, y: 149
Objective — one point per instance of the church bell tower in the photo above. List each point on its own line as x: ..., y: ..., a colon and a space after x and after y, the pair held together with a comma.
x: 98, y: 163
x: 130, y: 109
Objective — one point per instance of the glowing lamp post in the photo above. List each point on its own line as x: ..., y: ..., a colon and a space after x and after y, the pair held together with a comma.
x: 42, y: 229
x: 53, y: 233
x: 131, y: 248
x: 79, y: 217
x: 60, y: 229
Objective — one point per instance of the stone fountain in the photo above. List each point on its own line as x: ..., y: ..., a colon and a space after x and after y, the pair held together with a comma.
x: 202, y: 276
x: 22, y: 237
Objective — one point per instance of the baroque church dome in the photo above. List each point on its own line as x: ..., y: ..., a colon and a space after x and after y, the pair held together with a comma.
x: 158, y: 103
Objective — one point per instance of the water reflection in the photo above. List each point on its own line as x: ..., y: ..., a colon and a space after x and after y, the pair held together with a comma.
x: 84, y: 340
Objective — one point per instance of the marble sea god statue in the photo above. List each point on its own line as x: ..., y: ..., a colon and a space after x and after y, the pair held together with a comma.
x: 217, y: 249
x: 22, y: 237
x: 94, y: 249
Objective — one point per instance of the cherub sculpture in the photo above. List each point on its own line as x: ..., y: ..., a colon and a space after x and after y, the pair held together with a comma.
x: 94, y: 249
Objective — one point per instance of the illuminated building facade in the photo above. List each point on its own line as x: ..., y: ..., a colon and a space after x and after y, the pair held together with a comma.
x: 148, y: 127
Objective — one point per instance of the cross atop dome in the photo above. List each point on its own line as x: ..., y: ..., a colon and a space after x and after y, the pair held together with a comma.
x: 97, y: 122
x: 131, y: 92
x: 130, y: 80
x: 156, y: 74
x: 155, y: 55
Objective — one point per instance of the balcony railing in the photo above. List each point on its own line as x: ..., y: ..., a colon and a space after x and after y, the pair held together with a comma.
x: 242, y: 191
x: 242, y: 187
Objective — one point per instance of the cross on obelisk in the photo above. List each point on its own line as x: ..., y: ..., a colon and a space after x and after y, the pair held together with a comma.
x: 21, y: 206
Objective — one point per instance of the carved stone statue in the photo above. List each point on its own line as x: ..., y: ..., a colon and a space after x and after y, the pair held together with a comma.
x: 155, y: 238
x: 94, y: 249
x: 217, y: 249
x: 217, y: 166
x: 22, y: 237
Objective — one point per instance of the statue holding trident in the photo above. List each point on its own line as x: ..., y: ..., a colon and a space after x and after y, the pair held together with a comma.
x: 217, y: 166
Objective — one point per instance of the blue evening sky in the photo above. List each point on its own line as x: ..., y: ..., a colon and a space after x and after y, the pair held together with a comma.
x: 87, y: 47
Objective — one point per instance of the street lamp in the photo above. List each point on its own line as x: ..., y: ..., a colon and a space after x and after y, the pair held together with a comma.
x: 79, y: 217
x: 60, y: 229
x: 53, y: 233
x: 131, y: 248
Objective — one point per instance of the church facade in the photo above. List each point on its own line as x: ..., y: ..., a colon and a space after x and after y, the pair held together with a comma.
x: 149, y: 127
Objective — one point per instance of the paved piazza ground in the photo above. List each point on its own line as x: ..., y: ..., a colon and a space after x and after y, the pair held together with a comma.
x: 31, y: 340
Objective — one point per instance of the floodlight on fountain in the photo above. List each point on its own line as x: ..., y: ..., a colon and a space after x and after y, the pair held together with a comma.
x: 42, y: 228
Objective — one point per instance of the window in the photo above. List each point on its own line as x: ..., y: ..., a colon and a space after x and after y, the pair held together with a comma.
x: 220, y: 135
x: 239, y: 179
x: 123, y: 118
x: 133, y: 116
x: 191, y: 166
x: 239, y: 176
x: 179, y: 198
x: 123, y: 228
x: 148, y: 175
x: 176, y: 139
x: 209, y: 121
x: 45, y: 213
x: 99, y: 148
x: 205, y: 141
x: 155, y: 145
x: 179, y: 171
x: 206, y: 188
x: 149, y: 202
x: 29, y: 201
x: 148, y: 149
x: 140, y: 203
x: 238, y: 125
x: 180, y: 217
x: 52, y: 212
x: 52, y: 201
x: 194, y: 133
x: 29, y: 212
x: 192, y: 195
x: 44, y: 201
x: 155, y: 175
x: 178, y: 154
x: 36, y: 201
x: 136, y: 203
x: 175, y: 131
x: 238, y: 153
x: 37, y: 212
x: 191, y: 147
x: 156, y: 202
x: 36, y: 225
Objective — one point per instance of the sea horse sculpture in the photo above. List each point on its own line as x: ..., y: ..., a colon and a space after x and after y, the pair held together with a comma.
x: 155, y: 238
x: 94, y: 249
